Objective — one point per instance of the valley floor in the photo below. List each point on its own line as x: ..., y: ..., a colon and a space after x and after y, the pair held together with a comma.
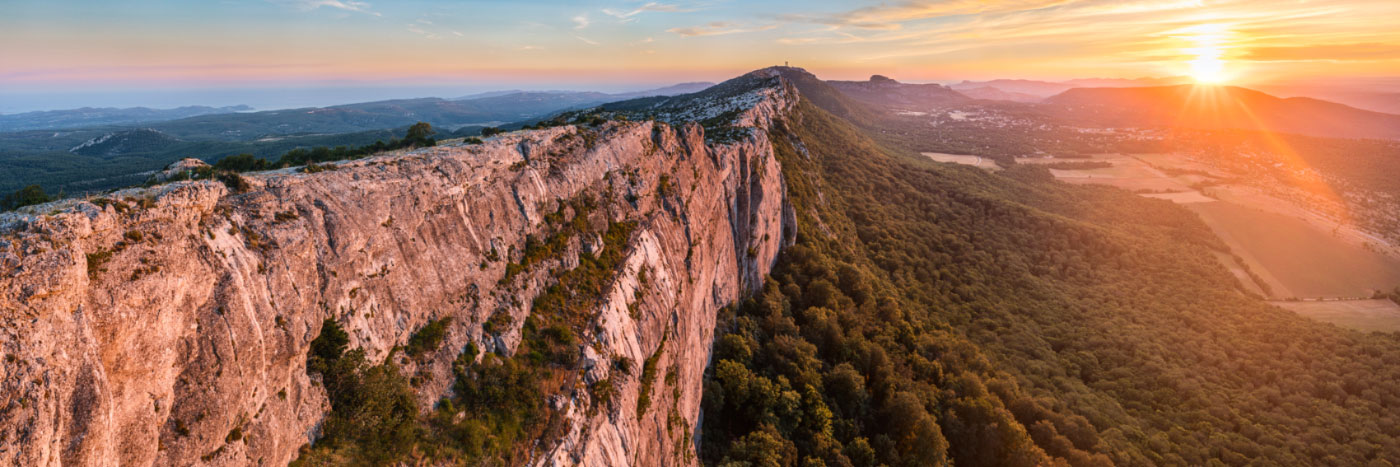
x: 1224, y: 203
x: 1279, y: 250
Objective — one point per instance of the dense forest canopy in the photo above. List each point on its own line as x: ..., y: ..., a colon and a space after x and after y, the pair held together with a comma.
x: 935, y: 314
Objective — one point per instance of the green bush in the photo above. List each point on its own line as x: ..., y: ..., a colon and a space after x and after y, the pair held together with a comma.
x: 27, y: 196
x: 418, y: 135
x: 312, y: 167
x: 96, y: 260
x: 648, y: 379
x: 241, y: 163
x: 429, y: 337
x: 235, y: 182
x: 373, y: 418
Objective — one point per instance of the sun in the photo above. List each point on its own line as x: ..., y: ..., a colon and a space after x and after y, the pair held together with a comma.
x: 1208, y: 70
x: 1208, y: 47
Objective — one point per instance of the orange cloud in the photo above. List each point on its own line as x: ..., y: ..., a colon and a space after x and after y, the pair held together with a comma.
x: 1345, y: 52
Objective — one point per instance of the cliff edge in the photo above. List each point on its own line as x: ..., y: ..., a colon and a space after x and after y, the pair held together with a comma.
x: 148, y: 326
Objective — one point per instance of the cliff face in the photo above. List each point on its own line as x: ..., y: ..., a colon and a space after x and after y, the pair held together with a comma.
x: 146, y: 326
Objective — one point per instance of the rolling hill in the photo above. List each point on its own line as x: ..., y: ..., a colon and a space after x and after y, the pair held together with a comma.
x: 123, y: 142
x: 1043, y: 89
x: 1228, y: 107
x: 88, y: 116
x: 887, y: 92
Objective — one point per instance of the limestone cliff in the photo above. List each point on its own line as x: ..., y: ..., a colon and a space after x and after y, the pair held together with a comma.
x: 144, y: 326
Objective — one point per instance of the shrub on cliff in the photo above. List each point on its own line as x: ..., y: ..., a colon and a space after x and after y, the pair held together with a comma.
x: 428, y: 338
x: 373, y: 418
x: 241, y: 163
x: 235, y: 182
x: 27, y: 196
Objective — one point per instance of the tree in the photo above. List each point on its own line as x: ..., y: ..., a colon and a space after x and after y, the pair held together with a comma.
x: 420, y: 134
x: 27, y: 196
x: 327, y: 347
x: 373, y: 418
x: 241, y: 163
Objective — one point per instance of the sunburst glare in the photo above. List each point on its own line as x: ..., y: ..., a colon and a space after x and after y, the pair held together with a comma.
x: 1208, y: 46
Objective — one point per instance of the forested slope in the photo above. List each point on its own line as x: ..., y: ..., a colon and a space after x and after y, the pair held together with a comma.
x: 931, y: 314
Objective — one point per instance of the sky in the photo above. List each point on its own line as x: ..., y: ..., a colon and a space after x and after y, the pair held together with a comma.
x: 288, y: 53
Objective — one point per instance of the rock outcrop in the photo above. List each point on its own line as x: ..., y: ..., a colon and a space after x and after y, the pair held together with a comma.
x: 144, y: 326
x: 181, y: 168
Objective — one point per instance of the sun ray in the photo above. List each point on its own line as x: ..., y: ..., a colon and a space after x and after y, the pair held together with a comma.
x: 1209, y: 42
x: 1204, y: 102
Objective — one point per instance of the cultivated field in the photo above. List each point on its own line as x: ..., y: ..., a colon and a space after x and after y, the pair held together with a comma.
x: 1305, y: 260
x: 1241, y: 274
x: 975, y: 161
x: 1294, y: 251
x: 1128, y: 173
x: 1362, y: 315
x: 1184, y: 197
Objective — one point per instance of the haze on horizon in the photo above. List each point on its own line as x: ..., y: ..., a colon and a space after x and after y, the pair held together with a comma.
x: 288, y: 53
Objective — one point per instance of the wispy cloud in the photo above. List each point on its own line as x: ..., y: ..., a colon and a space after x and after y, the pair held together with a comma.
x: 1141, y: 31
x: 923, y: 39
x: 426, y: 28
x: 629, y: 15
x: 1335, y: 52
x: 346, y: 5
x: 717, y: 28
x: 887, y: 16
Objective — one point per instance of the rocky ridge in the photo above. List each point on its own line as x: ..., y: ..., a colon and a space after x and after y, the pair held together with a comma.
x: 145, y: 326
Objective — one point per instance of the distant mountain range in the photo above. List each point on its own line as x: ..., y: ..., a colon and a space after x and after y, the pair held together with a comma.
x: 1227, y: 107
x: 1376, y: 97
x: 1122, y: 103
x: 106, y: 155
x: 682, y: 88
x: 1186, y: 106
x: 241, y: 123
x: 88, y: 116
x: 444, y: 114
x: 882, y: 90
x: 1378, y: 100
x: 94, y: 149
x: 1026, y: 90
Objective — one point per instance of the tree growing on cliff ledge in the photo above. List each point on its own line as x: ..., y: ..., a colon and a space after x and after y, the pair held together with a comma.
x: 373, y: 418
